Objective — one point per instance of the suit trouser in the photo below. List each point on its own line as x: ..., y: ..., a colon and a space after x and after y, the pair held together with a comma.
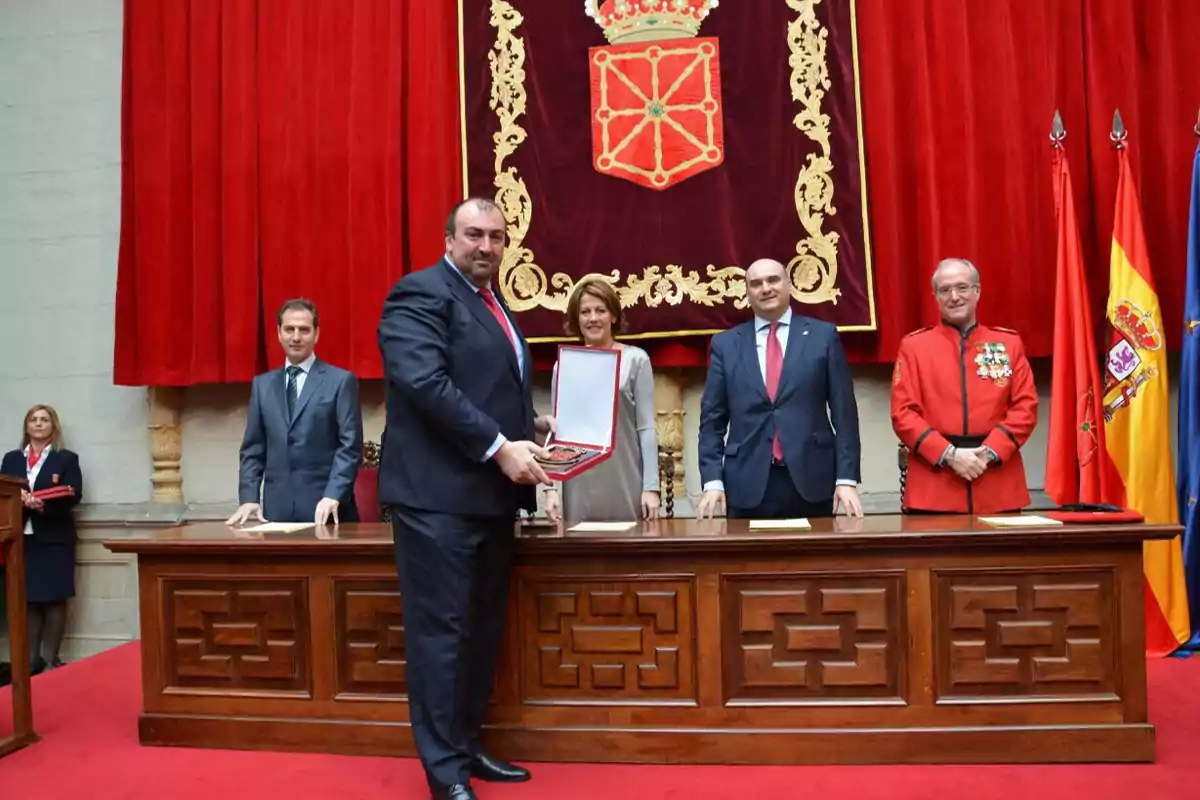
x: 782, y: 501
x: 347, y: 512
x: 454, y: 575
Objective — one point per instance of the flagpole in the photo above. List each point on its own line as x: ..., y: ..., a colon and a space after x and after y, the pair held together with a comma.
x: 1189, y: 431
x: 1058, y: 133
x: 1119, y: 134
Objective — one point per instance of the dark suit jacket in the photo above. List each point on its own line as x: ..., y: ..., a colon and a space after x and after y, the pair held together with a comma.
x: 55, y: 524
x: 453, y: 384
x: 315, y: 455
x: 815, y: 385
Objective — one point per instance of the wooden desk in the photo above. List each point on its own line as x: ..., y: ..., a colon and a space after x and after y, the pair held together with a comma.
x: 12, y: 548
x: 885, y: 640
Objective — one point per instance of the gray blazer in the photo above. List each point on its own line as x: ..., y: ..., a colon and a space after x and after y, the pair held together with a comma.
x: 315, y: 455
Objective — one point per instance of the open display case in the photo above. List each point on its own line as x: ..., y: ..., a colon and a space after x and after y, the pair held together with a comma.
x: 585, y: 408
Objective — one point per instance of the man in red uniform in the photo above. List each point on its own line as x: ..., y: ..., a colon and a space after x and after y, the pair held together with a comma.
x: 963, y: 403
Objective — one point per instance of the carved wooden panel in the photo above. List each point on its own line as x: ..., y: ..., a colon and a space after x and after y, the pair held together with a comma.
x: 235, y: 634
x: 1025, y: 634
x: 10, y: 517
x: 812, y: 637
x: 369, y: 633
x: 618, y: 641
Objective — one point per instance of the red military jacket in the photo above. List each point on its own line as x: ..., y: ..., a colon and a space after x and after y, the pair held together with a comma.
x: 977, y: 390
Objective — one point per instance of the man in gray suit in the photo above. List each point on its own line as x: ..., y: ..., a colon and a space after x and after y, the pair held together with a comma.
x: 304, y: 439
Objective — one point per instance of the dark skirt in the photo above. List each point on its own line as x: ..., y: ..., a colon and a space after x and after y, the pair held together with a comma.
x: 49, y: 570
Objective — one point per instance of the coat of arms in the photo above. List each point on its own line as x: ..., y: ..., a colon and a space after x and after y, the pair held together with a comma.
x: 656, y: 91
x: 1125, y: 369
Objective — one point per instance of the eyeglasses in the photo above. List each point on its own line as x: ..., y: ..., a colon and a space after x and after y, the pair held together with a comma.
x: 958, y: 288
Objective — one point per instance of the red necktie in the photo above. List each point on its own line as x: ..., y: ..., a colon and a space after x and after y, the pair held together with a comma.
x: 774, y: 369
x: 34, y: 456
x: 489, y: 300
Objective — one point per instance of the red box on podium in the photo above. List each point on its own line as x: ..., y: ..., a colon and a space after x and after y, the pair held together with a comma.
x: 585, y: 410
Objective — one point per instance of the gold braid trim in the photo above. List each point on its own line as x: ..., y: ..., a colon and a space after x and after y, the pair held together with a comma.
x: 814, y: 268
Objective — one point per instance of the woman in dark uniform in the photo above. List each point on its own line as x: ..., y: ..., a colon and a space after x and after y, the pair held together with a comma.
x: 44, y: 463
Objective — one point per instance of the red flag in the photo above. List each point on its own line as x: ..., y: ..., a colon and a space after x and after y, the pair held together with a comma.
x: 1075, y: 456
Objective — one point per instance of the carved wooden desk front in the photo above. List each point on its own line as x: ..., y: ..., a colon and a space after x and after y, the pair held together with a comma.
x: 885, y: 640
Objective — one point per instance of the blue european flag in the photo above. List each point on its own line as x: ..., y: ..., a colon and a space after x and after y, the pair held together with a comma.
x: 1189, y: 415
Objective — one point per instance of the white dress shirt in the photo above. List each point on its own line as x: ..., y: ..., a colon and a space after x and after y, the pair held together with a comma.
x: 762, y: 329
x: 31, y: 475
x: 305, y: 367
x: 513, y: 337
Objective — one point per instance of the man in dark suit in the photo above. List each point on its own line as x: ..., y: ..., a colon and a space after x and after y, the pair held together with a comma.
x: 774, y: 385
x: 303, y: 442
x: 457, y: 465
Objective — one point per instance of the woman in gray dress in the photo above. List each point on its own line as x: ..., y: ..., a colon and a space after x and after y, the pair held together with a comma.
x: 625, y: 487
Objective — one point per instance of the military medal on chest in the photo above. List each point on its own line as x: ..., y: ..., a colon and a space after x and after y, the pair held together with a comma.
x: 991, y: 362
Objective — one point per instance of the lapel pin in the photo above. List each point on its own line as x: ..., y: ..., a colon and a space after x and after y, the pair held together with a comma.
x: 804, y: 333
x: 54, y: 478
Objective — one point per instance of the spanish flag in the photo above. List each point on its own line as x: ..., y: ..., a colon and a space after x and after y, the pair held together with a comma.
x: 1137, y: 428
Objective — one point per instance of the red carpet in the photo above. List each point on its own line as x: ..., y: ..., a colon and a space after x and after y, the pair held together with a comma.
x: 87, y: 715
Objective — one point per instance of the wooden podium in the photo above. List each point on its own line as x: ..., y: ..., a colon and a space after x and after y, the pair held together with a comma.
x: 12, y: 547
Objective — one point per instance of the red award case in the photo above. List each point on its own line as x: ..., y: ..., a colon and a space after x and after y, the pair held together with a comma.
x: 585, y: 408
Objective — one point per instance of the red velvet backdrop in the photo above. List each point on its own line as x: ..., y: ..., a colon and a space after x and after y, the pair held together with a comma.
x: 315, y: 152
x: 274, y: 149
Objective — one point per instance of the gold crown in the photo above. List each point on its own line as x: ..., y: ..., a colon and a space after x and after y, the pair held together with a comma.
x: 1137, y: 326
x: 629, y: 21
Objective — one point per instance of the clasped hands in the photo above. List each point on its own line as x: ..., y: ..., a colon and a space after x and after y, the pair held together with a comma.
x: 30, y: 501
x: 969, y: 463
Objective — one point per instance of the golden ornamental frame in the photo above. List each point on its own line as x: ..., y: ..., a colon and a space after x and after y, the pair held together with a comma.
x: 814, y: 268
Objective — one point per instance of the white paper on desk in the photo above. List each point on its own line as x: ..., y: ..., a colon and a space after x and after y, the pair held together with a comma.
x: 779, y: 524
x: 280, y: 527
x: 1031, y: 521
x: 597, y: 527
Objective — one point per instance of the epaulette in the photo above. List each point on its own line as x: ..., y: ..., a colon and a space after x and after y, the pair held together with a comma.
x: 1004, y: 330
x: 918, y: 330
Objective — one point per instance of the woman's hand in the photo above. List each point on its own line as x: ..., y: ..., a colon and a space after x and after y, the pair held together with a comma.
x: 31, y: 502
x: 649, y: 505
x: 553, y: 506
x: 543, y: 428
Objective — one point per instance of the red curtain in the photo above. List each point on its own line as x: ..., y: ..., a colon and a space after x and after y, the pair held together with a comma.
x: 957, y: 103
x: 276, y: 148
x: 958, y: 98
x: 1143, y: 57
x: 187, y: 286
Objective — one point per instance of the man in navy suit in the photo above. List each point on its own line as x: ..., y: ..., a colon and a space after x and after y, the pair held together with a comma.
x: 456, y: 466
x: 774, y: 386
x: 304, y: 438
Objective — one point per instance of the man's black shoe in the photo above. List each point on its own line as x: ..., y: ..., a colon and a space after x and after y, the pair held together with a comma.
x: 493, y: 770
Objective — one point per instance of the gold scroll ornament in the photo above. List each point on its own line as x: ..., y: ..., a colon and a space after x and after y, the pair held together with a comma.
x: 813, y: 270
